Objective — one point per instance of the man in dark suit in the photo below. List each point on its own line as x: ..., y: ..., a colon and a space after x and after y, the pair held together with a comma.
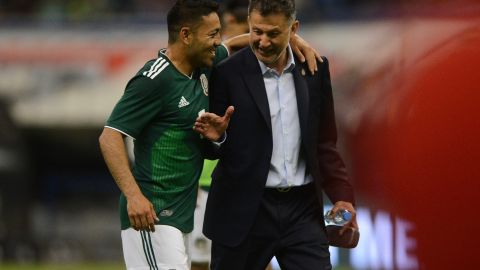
x: 278, y: 153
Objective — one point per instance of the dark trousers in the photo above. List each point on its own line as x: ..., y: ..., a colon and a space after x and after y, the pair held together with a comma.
x: 288, y: 226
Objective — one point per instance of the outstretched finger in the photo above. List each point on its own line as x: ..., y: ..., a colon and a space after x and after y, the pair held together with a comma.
x: 207, y: 117
x: 155, y: 217
x: 318, y: 56
x: 135, y: 223
x: 311, y: 62
x: 199, y: 129
x: 198, y: 125
x: 151, y: 219
x: 229, y: 112
x: 145, y: 226
x: 298, y: 53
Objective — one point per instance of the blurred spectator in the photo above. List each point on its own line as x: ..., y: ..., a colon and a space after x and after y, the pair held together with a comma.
x: 15, y: 193
x: 234, y: 18
x: 20, y: 7
x: 153, y: 11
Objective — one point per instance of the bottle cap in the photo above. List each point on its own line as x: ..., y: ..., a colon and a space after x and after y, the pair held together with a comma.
x: 347, y: 215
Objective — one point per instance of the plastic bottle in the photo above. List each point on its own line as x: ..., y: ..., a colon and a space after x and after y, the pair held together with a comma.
x: 340, y: 218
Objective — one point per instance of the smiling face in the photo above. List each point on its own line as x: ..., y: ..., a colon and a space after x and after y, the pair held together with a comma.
x: 269, y: 37
x: 205, y: 38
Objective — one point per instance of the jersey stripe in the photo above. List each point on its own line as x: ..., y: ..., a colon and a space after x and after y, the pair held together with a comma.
x: 151, y: 250
x: 152, y: 67
x: 147, y: 250
x: 160, y: 70
x: 157, y: 66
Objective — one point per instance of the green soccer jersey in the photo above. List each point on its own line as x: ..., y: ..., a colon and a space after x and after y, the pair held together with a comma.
x: 206, y: 176
x: 158, y: 110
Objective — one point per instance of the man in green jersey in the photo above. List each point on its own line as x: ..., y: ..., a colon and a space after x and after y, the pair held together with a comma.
x: 158, y: 109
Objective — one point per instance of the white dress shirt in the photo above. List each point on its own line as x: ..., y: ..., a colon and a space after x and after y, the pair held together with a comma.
x: 287, y: 167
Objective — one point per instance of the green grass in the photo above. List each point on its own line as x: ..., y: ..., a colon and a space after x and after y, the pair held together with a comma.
x: 87, y: 266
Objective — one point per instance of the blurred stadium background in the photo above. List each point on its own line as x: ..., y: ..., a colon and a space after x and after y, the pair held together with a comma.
x: 406, y: 84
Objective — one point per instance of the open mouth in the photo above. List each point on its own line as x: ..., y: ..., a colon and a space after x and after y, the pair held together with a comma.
x: 264, y: 53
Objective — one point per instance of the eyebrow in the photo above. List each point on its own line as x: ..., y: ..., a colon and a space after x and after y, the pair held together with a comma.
x: 214, y: 31
x: 275, y: 28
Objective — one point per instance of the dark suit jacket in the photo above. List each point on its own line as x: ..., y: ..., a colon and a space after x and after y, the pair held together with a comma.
x: 240, y: 176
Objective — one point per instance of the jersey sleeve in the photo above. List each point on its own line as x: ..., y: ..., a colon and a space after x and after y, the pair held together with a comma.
x: 221, y: 52
x: 140, y: 103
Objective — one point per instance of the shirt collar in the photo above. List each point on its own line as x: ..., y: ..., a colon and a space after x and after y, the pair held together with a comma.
x: 290, y: 62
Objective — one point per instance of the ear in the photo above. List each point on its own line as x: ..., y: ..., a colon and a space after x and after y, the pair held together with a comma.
x: 185, y: 35
x: 295, y: 26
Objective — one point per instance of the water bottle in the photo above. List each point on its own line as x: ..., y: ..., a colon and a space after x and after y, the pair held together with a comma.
x: 340, y: 218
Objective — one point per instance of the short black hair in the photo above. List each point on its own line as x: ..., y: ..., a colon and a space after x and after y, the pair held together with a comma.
x: 187, y: 13
x: 268, y: 7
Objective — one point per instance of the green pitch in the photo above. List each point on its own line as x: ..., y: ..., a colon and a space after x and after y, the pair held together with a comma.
x: 88, y: 266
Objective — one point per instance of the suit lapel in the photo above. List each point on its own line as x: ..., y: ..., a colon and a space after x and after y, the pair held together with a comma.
x: 301, y: 88
x: 252, y: 75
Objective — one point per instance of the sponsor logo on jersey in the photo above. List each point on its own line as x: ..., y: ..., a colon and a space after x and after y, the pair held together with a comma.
x: 183, y: 102
x: 166, y: 213
x: 204, y: 82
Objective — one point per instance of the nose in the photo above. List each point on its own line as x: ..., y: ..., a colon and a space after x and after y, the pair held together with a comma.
x: 217, y: 41
x: 264, y: 42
